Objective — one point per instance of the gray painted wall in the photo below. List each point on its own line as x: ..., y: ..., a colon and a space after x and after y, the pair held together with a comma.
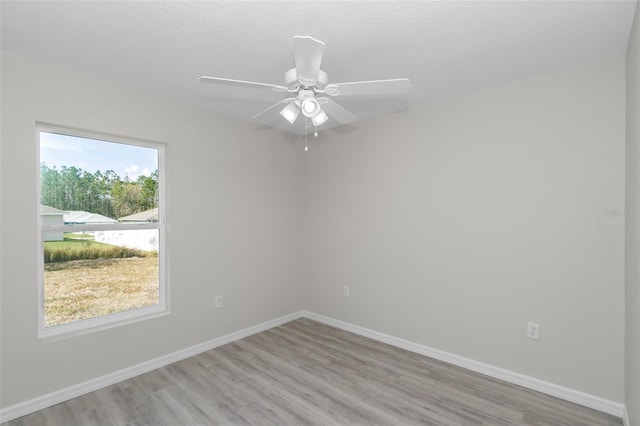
x: 244, y: 182
x: 632, y: 342
x: 454, y: 224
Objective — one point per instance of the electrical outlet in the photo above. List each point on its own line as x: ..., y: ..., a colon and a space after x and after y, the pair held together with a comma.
x: 533, y: 331
x: 218, y: 302
x: 346, y: 292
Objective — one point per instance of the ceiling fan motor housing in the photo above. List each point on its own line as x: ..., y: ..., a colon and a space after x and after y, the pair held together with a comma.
x: 291, y: 79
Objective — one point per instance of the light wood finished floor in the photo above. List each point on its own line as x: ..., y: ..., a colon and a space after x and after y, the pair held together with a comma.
x: 307, y: 373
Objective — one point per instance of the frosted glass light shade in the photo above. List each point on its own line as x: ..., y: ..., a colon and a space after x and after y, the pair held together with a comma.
x: 320, y: 118
x: 290, y: 112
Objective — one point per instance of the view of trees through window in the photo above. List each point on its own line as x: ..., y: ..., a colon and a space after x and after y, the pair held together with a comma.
x: 102, y: 192
x: 100, y: 227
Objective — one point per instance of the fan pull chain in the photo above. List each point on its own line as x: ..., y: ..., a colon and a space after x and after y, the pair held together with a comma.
x: 307, y: 126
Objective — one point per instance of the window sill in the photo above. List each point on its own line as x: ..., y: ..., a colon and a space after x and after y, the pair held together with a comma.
x: 81, y: 327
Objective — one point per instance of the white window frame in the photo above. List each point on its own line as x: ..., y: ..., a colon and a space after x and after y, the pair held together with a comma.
x: 89, y: 325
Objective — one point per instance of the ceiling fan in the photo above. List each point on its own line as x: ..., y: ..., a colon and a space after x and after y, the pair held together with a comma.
x: 309, y: 90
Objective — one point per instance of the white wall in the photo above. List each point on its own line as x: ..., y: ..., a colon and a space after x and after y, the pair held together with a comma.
x: 454, y: 224
x: 247, y: 181
x: 141, y: 239
x: 632, y: 342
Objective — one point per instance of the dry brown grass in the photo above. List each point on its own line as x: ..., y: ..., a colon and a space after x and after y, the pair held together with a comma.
x: 82, y: 289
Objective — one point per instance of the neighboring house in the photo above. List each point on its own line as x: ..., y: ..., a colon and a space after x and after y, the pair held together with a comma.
x: 52, y: 217
x: 145, y: 216
x: 77, y: 217
x: 142, y: 239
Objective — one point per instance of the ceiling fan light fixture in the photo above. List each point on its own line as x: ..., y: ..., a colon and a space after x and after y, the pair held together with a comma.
x: 320, y: 118
x: 310, y: 107
x: 290, y: 112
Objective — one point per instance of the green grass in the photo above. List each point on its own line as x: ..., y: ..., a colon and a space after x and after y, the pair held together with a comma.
x: 83, y: 246
x: 75, y: 242
x: 73, y: 236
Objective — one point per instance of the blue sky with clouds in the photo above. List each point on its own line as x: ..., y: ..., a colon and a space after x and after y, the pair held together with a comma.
x: 92, y: 155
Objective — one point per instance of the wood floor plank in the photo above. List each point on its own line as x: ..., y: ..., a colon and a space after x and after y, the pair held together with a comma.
x: 307, y: 373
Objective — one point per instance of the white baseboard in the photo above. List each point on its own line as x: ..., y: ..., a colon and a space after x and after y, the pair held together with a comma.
x: 625, y: 417
x: 56, y: 397
x: 587, y: 400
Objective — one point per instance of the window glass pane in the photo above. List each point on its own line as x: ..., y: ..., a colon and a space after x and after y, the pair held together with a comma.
x: 97, y: 268
x: 97, y: 182
x: 86, y: 278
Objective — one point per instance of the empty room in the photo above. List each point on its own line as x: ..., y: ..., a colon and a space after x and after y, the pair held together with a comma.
x: 320, y: 213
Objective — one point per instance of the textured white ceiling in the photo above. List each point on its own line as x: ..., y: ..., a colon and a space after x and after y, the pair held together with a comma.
x: 446, y: 48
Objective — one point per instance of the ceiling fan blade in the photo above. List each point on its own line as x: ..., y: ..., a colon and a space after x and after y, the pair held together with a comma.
x: 230, y: 82
x: 277, y: 104
x: 398, y: 86
x: 337, y: 111
x: 308, y: 57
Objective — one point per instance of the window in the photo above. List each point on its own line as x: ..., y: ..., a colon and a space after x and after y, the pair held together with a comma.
x: 101, y: 230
